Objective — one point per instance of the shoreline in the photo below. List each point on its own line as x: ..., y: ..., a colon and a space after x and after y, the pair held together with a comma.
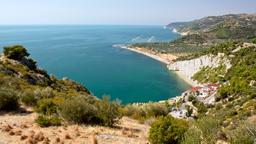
x: 164, y: 58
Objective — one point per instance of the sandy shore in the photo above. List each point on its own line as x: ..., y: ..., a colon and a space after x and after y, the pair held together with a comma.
x: 187, y: 80
x: 164, y: 58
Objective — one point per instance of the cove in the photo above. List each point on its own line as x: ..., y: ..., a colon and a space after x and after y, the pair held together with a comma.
x: 85, y: 53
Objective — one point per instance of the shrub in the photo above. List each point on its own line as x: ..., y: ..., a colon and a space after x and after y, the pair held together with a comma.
x: 155, y: 110
x: 44, y: 121
x: 254, y: 41
x: 209, y: 127
x: 192, y: 136
x: 28, y: 98
x: 167, y: 130
x: 108, y: 112
x: 191, y: 98
x: 16, y: 52
x: 189, y: 111
x: 204, y: 130
x: 79, y: 110
x: 8, y: 100
x: 201, y: 108
x: 218, y: 106
x: 243, y: 134
x: 30, y: 63
x: 46, y: 107
x: 136, y: 112
x: 145, y: 111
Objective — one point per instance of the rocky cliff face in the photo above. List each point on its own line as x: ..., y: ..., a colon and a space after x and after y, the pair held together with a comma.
x: 188, y: 68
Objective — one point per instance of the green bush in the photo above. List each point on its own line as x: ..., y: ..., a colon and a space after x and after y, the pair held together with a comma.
x: 167, y: 130
x: 204, y: 130
x: 79, y: 110
x: 155, y: 110
x: 46, y: 106
x: 254, y: 40
x: 192, y: 136
x: 28, y: 98
x: 145, y: 111
x: 201, y: 108
x: 191, y: 98
x: 16, y: 52
x: 108, y: 112
x: 31, y: 64
x: 8, y: 100
x: 44, y: 121
x: 135, y: 112
x: 209, y: 127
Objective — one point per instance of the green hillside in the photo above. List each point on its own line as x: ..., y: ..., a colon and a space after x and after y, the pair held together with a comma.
x: 206, y: 32
x: 23, y: 84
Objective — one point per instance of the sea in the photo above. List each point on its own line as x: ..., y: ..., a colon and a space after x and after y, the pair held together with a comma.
x: 85, y: 53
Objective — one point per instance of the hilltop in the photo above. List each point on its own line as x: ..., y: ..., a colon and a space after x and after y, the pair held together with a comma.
x: 201, y: 34
x: 217, y: 28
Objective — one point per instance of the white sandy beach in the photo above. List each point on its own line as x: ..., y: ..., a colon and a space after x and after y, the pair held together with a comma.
x: 164, y: 58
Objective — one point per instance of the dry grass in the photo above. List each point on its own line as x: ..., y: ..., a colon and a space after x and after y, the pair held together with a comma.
x: 21, y: 129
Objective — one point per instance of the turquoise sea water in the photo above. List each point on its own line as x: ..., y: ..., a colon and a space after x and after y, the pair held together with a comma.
x: 86, y: 54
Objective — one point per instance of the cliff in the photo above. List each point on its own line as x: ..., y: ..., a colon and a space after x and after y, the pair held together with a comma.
x: 187, y: 68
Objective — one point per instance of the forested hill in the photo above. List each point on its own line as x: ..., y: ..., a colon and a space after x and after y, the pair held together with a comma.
x: 204, y: 33
x: 232, y: 26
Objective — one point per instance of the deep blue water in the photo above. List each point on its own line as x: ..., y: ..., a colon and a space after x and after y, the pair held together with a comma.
x: 85, y: 54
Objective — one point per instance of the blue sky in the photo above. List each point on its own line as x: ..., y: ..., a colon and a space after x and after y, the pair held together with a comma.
x: 130, y: 12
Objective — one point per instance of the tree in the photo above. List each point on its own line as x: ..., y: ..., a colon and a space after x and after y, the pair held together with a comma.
x: 167, y: 130
x: 16, y: 52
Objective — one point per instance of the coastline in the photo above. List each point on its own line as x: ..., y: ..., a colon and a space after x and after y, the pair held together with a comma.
x: 184, y: 78
x: 164, y: 58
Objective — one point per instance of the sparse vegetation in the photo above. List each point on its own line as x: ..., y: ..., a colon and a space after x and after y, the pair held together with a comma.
x: 23, y: 83
x: 28, y: 98
x: 210, y: 75
x: 65, y: 100
x: 45, y: 121
x: 85, y: 110
x: 204, y: 130
x: 145, y: 111
x: 46, y: 106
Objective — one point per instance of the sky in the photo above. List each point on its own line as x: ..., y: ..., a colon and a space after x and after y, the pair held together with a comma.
x: 117, y: 12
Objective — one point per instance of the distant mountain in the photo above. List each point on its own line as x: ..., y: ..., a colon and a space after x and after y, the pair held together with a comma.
x: 232, y: 26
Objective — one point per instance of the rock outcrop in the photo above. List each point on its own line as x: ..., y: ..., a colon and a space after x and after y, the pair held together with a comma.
x: 188, y: 68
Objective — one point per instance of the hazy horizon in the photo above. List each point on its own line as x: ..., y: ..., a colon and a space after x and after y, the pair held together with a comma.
x: 115, y: 12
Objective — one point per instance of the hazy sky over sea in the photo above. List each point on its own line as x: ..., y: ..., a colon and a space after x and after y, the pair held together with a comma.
x: 131, y: 12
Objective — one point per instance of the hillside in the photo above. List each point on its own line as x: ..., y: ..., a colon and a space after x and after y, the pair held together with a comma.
x: 201, y: 34
x: 39, y: 108
x: 230, y: 110
x: 232, y: 26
